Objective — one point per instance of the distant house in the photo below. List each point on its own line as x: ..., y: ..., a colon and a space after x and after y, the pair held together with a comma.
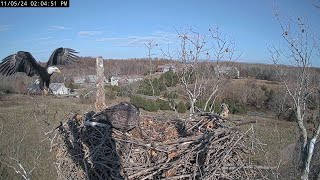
x: 122, y: 80
x: 86, y: 79
x: 227, y: 71
x: 165, y: 68
x: 59, y: 89
x: 114, y: 80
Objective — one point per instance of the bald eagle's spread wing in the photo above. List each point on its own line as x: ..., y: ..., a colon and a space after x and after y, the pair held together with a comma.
x: 62, y: 56
x: 20, y: 62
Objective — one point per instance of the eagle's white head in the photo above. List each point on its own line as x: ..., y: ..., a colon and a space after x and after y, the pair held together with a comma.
x: 53, y: 69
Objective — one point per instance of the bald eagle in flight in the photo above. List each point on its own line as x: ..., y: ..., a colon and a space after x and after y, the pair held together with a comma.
x: 23, y: 61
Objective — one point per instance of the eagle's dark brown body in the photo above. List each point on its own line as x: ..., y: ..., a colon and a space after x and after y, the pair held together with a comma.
x: 124, y: 116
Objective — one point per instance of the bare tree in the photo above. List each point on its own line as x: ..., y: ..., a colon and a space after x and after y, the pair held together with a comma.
x: 223, y: 49
x: 316, y: 3
x: 193, y: 75
x: 196, y: 75
x: 299, y: 49
x: 150, y: 45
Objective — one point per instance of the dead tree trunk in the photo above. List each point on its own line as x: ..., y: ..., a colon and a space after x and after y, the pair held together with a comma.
x: 100, y: 103
x: 299, y: 85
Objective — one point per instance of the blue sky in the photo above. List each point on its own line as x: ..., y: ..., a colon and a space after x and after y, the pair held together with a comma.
x: 119, y: 28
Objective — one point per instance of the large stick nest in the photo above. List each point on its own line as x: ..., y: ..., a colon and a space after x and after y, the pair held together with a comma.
x: 201, y: 148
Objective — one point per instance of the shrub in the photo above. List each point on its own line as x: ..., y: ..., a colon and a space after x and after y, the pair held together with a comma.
x: 170, y: 95
x: 269, y: 101
x: 9, y: 91
x: 200, y: 104
x: 172, y: 104
x: 312, y: 103
x: 163, y: 105
x: 181, y: 107
x: 189, y: 75
x: 5, y: 172
x: 138, y: 101
x: 158, y: 84
x: 151, y: 106
x: 170, y: 78
x: 255, y: 96
x: 188, y: 105
x: 236, y: 107
x: 146, y: 88
x: 128, y: 90
x: 288, y: 115
x: 216, y: 108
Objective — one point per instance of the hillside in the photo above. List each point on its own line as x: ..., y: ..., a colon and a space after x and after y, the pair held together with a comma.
x: 257, y: 96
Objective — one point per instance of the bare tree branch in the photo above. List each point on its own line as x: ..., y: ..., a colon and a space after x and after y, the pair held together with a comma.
x: 150, y: 45
x: 299, y: 49
x: 316, y: 3
x: 13, y: 162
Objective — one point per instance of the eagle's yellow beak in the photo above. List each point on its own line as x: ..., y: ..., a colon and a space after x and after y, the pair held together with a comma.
x: 58, y: 71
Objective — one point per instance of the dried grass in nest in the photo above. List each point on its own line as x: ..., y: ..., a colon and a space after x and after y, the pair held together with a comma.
x: 198, y: 149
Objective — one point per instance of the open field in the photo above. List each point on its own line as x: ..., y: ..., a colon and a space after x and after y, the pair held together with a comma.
x: 26, y: 119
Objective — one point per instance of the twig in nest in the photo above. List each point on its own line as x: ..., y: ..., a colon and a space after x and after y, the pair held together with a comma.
x: 102, y: 153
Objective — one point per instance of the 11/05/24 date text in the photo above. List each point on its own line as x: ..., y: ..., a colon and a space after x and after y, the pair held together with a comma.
x: 34, y: 3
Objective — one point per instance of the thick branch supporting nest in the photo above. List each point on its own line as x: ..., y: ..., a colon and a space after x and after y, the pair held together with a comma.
x: 203, y: 149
